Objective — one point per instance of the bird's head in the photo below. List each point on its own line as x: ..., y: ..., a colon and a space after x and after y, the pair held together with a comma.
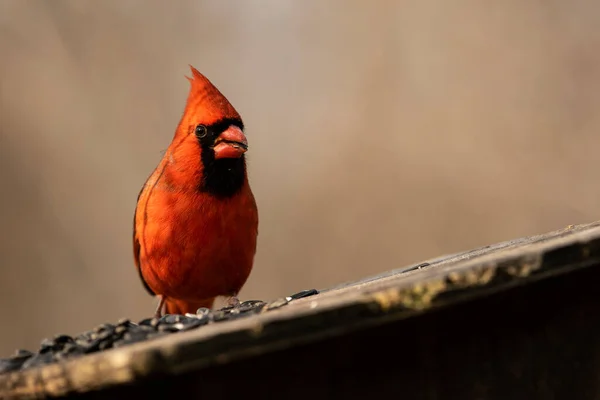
x: 213, y: 130
x: 212, y: 119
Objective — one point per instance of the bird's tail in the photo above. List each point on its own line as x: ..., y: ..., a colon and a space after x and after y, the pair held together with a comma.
x: 174, y: 306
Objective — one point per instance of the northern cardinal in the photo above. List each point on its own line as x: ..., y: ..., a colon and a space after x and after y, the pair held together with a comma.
x: 196, y: 220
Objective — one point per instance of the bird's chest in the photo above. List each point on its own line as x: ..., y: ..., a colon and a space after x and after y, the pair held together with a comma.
x: 210, y: 229
x: 207, y: 247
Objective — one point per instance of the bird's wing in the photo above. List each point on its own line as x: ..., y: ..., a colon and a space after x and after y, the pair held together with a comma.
x: 136, y: 245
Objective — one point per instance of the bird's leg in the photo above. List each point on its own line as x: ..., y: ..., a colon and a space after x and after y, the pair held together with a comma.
x: 161, y: 303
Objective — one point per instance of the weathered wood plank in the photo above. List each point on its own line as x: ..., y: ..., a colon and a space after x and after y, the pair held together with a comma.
x: 493, y: 322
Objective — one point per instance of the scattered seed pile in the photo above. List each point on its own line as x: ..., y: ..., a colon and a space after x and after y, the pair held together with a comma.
x: 107, y: 336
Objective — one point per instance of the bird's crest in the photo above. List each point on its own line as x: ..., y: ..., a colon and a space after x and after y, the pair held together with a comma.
x: 205, y: 103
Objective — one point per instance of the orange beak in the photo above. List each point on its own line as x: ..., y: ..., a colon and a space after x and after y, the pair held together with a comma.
x: 231, y: 143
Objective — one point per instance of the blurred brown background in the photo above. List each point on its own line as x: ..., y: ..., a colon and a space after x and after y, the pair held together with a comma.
x: 381, y: 134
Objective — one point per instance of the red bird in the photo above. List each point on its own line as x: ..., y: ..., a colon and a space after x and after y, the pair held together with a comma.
x: 196, y: 220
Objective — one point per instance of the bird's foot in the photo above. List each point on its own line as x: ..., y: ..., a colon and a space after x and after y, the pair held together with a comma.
x: 233, y: 301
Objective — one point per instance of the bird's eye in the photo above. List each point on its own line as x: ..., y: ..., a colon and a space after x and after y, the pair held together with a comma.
x: 201, y: 131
